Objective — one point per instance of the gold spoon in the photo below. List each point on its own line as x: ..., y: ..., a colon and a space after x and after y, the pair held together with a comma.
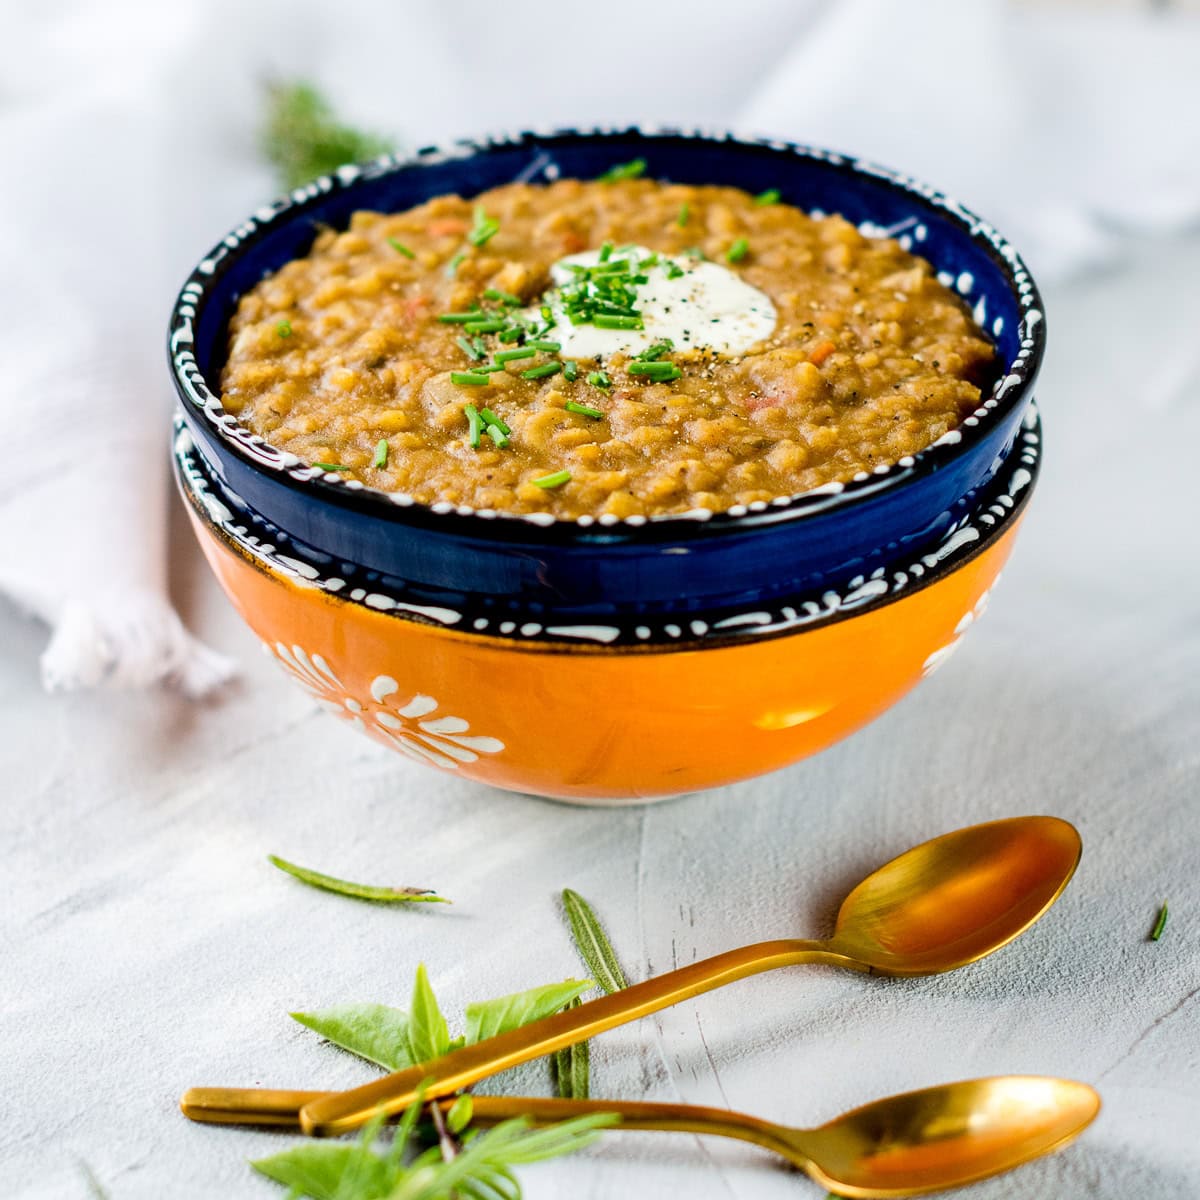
x: 907, y: 1145
x: 941, y: 905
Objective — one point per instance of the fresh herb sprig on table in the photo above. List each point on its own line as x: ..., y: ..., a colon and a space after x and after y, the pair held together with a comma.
x: 1160, y: 923
x: 303, y: 137
x: 360, y: 891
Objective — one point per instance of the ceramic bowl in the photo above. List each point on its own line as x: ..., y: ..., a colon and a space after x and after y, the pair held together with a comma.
x: 612, y: 660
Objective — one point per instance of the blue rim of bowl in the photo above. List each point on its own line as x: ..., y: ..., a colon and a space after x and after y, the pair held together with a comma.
x: 273, y: 551
x: 1011, y: 390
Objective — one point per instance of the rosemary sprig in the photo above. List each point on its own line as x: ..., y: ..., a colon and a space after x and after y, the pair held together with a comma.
x: 303, y: 137
x: 360, y: 891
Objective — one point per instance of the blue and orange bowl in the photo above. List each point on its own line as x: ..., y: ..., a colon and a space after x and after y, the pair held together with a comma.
x: 606, y: 659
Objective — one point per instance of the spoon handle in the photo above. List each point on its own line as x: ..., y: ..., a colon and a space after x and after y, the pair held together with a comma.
x: 344, y: 1111
x: 274, y: 1107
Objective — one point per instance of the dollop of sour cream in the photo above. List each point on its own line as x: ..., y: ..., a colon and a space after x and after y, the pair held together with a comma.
x: 704, y: 307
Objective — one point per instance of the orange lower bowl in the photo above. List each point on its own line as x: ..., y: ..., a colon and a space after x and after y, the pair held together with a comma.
x: 609, y: 725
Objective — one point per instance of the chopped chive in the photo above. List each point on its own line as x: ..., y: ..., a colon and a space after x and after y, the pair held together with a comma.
x: 549, y: 347
x: 684, y: 213
x: 510, y: 334
x: 629, y: 170
x: 469, y: 378
x: 1160, y: 924
x: 542, y: 372
x: 507, y: 356
x: 381, y: 453
x: 474, y: 424
x: 479, y: 345
x: 331, y: 467
x: 674, y: 270
x: 652, y: 353
x: 598, y: 379
x: 606, y: 251
x: 612, y: 321
x: 657, y: 372
x: 770, y: 196
x: 491, y: 325
x: 485, y: 228
x: 459, y: 318
x: 497, y: 435
x: 453, y: 265
x: 547, y: 313
x: 570, y: 369
x: 470, y: 349
x: 490, y: 418
x: 583, y: 410
x: 501, y: 296
x: 400, y: 248
x: 284, y: 328
x: 552, y: 481
x: 489, y: 369
x: 695, y: 252
x: 737, y: 251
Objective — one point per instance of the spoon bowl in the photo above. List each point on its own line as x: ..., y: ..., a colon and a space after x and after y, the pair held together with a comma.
x: 959, y: 897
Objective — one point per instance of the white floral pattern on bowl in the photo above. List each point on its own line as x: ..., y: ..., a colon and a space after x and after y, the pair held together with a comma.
x: 410, y: 726
x: 938, y: 657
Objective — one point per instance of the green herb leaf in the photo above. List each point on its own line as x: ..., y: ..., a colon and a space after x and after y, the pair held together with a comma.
x: 474, y: 423
x: 552, y: 481
x: 594, y: 947
x: 1160, y: 924
x: 303, y: 138
x: 598, y: 379
x: 400, y: 247
x: 284, y: 329
x: 572, y: 1067
x: 331, y: 467
x: 484, y: 229
x: 381, y: 454
x: 583, y: 410
x: 428, y: 1036
x: 685, y: 213
x: 770, y: 196
x: 323, y: 1171
x: 501, y: 297
x: 737, y: 251
x: 488, y: 1018
x: 459, y: 1116
x: 494, y: 421
x: 629, y: 170
x: 361, y: 891
x: 470, y: 378
x: 375, y: 1032
x: 542, y: 372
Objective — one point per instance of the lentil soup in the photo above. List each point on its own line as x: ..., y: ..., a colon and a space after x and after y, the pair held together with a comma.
x: 619, y: 346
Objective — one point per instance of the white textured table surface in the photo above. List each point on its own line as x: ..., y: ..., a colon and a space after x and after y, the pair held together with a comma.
x: 146, y: 945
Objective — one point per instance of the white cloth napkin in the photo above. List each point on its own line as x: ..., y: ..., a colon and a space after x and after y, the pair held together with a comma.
x: 127, y: 144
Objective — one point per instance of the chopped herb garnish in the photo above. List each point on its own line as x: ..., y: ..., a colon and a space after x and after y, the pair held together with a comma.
x: 469, y: 378
x: 657, y: 372
x: 655, y: 352
x: 507, y: 356
x: 470, y: 349
x: 606, y: 251
x: 381, y: 453
x: 598, y: 379
x: 629, y: 170
x: 501, y: 296
x: 583, y: 410
x: 549, y: 347
x: 488, y: 325
x: 617, y: 321
x: 497, y: 435
x: 331, y: 467
x: 552, y: 481
x: 737, y: 251
x: 695, y: 252
x: 511, y: 334
x: 494, y: 421
x: 684, y: 213
x: 542, y: 372
x: 284, y: 329
x: 489, y: 369
x: 459, y: 318
x: 361, y: 891
x: 674, y: 270
x: 484, y: 229
x: 453, y: 265
x: 474, y: 424
x: 400, y: 248
x: 570, y: 369
x: 770, y: 196
x: 1160, y: 924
